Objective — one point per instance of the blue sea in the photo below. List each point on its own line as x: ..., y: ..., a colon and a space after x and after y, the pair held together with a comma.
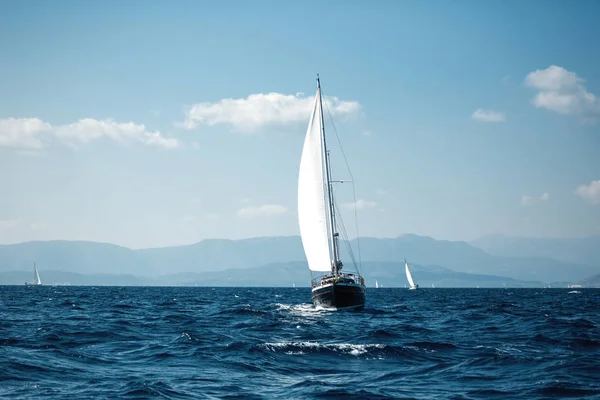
x: 261, y: 343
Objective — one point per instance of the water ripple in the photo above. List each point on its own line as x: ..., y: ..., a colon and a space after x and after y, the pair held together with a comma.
x: 256, y: 343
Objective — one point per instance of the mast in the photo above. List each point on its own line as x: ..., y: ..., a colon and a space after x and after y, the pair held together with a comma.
x: 335, y: 263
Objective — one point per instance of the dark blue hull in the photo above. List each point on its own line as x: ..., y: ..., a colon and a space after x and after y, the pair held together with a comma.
x: 340, y: 296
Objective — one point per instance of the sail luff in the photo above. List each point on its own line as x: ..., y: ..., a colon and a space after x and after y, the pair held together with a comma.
x: 312, y: 212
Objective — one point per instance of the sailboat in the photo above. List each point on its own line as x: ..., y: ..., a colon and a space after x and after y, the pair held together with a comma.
x: 36, y: 277
x: 376, y: 285
x: 409, y: 277
x: 319, y: 224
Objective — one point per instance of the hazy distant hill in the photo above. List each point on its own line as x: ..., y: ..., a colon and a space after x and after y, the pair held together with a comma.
x: 220, y: 255
x: 387, y: 274
x: 217, y: 255
x: 284, y: 274
x: 72, y: 256
x: 76, y: 279
x: 592, y: 281
x: 585, y: 250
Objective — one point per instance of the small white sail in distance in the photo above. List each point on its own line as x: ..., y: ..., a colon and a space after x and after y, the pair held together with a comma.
x: 376, y: 284
x: 37, y: 279
x: 409, y: 276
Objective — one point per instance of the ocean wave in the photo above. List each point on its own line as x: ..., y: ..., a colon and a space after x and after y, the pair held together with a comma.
x: 178, y: 342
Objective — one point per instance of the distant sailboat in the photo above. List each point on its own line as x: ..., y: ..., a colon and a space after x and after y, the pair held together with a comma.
x: 36, y: 277
x: 320, y: 224
x: 433, y: 285
x: 376, y: 285
x: 409, y: 277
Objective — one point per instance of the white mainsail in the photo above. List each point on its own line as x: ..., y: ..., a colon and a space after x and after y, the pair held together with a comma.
x: 377, y: 284
x: 312, y: 192
x: 408, y: 275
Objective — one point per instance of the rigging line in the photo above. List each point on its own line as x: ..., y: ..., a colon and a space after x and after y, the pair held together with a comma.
x: 351, y: 177
x: 347, y: 241
x: 342, y: 229
x: 347, y: 244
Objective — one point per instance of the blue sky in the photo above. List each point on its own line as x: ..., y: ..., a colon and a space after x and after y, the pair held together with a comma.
x: 154, y: 123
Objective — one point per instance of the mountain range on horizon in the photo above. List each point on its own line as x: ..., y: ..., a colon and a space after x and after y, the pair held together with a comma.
x: 522, y: 260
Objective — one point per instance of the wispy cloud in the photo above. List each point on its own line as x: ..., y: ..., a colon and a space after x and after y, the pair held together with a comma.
x: 368, y: 133
x: 563, y: 92
x: 361, y: 204
x: 381, y: 192
x: 527, y: 200
x: 195, y: 219
x: 488, y: 116
x: 590, y: 192
x: 33, y: 133
x: 259, y: 110
x: 188, y: 218
x: 261, y: 211
x: 9, y: 223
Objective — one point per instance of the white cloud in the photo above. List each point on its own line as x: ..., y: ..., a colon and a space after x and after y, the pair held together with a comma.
x: 258, y: 110
x: 563, y: 92
x: 527, y: 200
x: 30, y: 133
x: 590, y: 193
x: 23, y: 133
x: 381, y: 192
x: 261, y: 211
x: 488, y: 116
x: 89, y: 129
x: 188, y: 218
x: 9, y: 223
x: 361, y: 204
x: 196, y: 219
x: 553, y: 78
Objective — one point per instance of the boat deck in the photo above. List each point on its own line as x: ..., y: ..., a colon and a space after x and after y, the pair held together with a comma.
x: 328, y: 279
